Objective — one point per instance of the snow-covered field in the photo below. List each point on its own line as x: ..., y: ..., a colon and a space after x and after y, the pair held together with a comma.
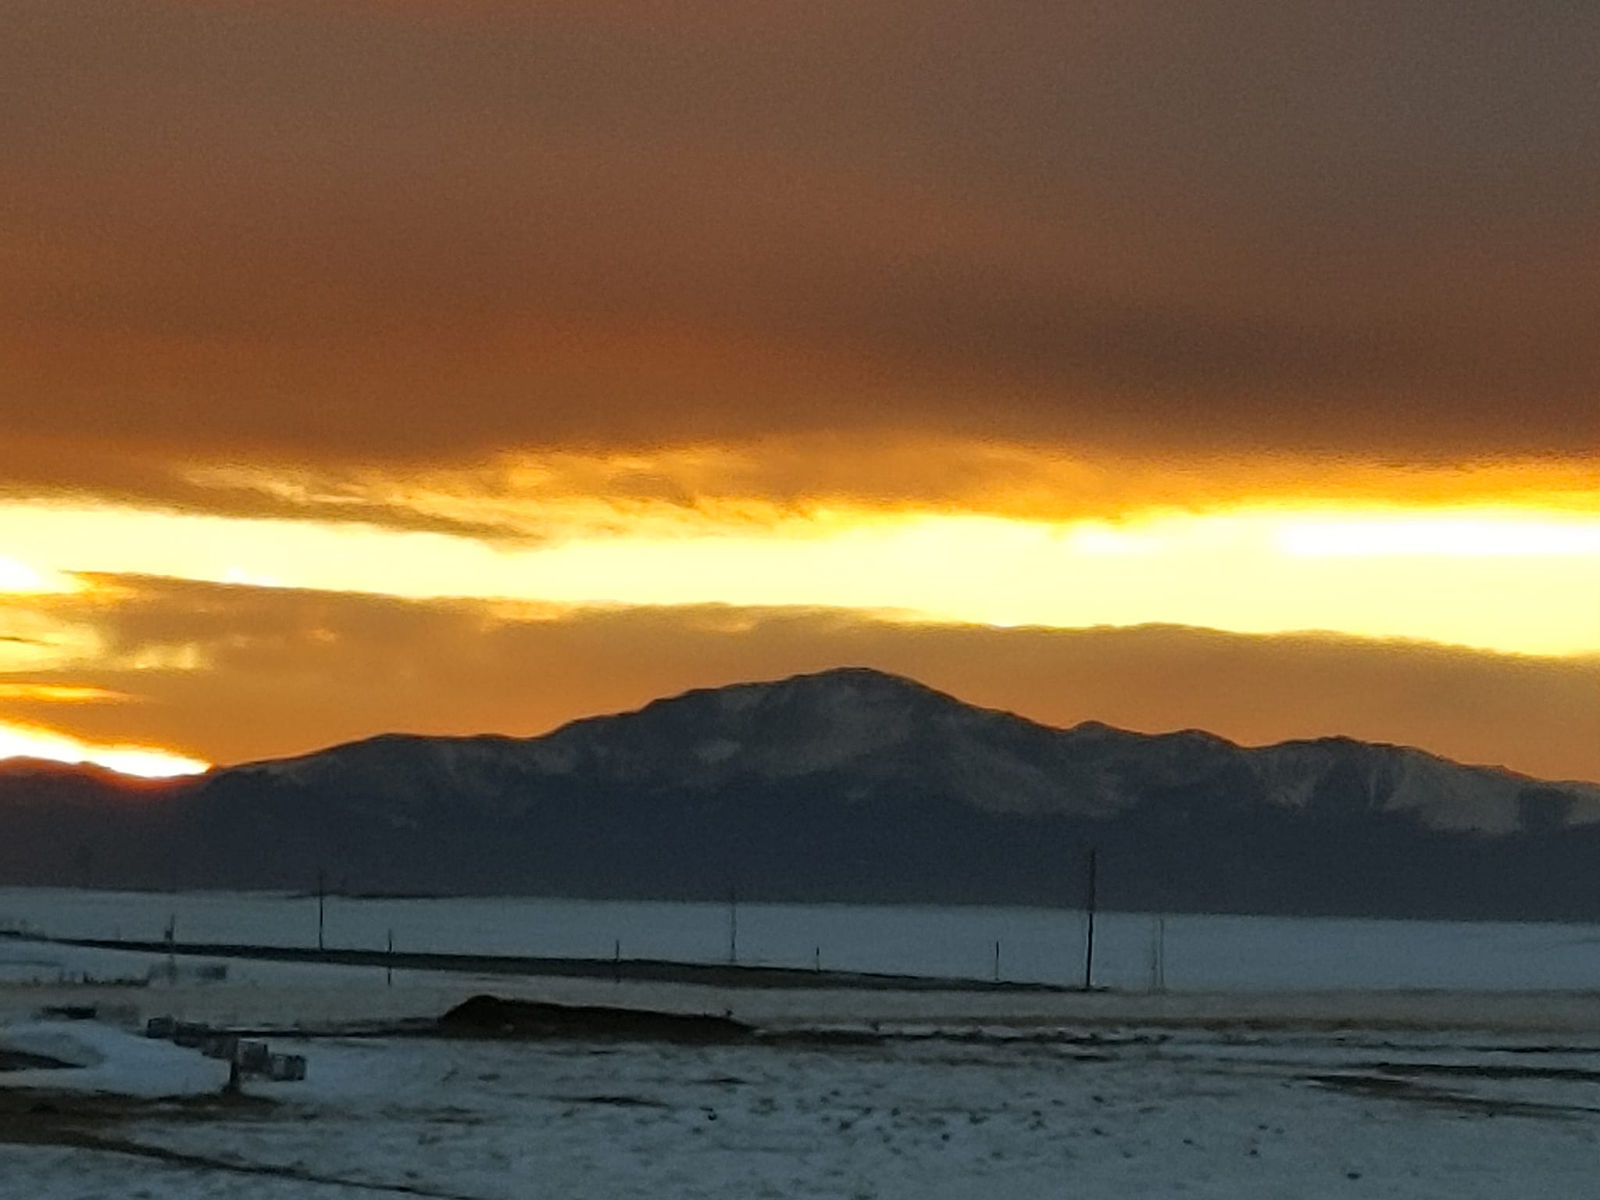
x: 1286, y: 1059
x: 1132, y: 1114
x: 1196, y: 953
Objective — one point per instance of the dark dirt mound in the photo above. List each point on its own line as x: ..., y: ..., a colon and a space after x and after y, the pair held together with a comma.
x: 491, y: 1016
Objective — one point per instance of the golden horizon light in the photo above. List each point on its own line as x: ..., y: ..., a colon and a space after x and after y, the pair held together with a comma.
x: 1510, y: 579
x: 60, y: 693
x: 147, y: 762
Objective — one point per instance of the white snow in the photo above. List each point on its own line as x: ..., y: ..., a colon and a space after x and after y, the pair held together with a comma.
x: 107, y: 1059
x: 1138, y: 1114
x: 1441, y: 793
x: 1268, y: 1084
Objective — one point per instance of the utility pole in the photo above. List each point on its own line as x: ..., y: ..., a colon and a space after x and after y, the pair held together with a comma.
x: 322, y: 898
x: 1158, y: 954
x: 1088, y: 942
x: 733, y: 926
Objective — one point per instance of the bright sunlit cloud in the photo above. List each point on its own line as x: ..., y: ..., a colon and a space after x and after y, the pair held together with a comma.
x: 239, y: 575
x: 1475, y: 536
x: 685, y: 489
x: 61, y: 693
x: 1506, y: 579
x: 32, y: 741
x: 18, y: 576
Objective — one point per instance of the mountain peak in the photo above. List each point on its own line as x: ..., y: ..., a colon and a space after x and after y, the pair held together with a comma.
x: 858, y: 676
x: 844, y: 784
x: 861, y: 681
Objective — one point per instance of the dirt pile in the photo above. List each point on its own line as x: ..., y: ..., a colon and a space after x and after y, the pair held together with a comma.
x: 492, y: 1016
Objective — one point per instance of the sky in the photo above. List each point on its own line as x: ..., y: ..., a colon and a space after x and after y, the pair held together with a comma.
x: 468, y: 365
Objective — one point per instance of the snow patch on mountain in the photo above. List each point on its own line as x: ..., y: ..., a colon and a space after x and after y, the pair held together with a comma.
x: 876, y: 734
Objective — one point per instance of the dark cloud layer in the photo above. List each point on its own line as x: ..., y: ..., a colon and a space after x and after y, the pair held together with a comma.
x: 389, y: 231
x: 236, y: 673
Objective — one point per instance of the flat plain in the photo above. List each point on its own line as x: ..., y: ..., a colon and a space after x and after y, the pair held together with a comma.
x: 1197, y: 1092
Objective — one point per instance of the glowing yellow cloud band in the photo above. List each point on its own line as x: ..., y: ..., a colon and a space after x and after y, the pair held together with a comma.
x: 1507, y: 579
x: 61, y: 693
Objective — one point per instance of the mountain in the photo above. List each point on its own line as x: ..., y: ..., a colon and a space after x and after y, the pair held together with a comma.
x: 845, y: 785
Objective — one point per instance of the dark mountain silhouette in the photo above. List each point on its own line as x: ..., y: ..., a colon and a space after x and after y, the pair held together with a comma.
x: 845, y: 785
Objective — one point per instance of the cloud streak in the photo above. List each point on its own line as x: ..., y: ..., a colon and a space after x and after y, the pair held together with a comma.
x: 524, y: 497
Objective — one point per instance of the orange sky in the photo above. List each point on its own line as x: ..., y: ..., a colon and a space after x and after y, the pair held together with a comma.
x: 386, y: 365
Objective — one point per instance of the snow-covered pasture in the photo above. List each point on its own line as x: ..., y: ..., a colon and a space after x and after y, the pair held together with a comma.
x: 1098, y: 1116
x: 1286, y: 1058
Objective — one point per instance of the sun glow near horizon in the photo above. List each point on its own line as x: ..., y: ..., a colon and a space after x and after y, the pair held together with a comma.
x: 148, y: 762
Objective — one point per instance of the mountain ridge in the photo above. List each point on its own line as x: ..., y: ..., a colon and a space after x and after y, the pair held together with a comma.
x: 1086, y: 727
x: 842, y: 784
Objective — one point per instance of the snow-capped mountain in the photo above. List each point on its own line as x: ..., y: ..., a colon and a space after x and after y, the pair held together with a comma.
x: 848, y: 784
